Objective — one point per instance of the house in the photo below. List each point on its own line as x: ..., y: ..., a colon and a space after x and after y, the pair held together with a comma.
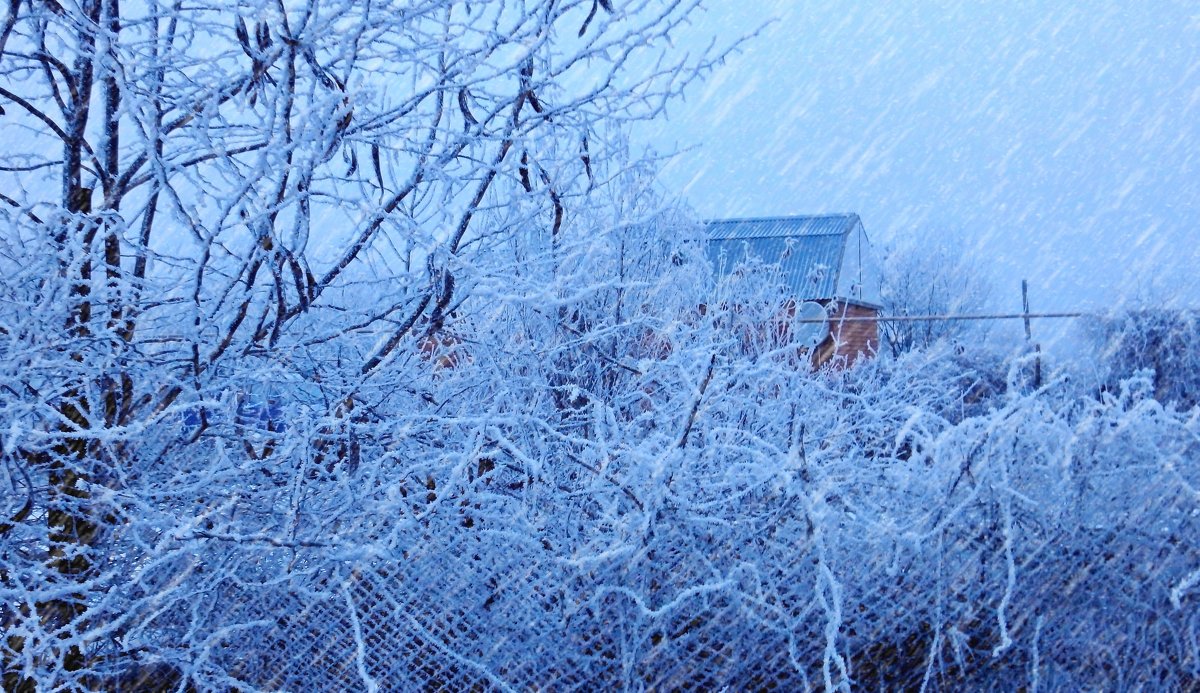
x: 823, y: 259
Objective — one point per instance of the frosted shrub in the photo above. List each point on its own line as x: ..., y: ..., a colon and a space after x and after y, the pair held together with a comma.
x: 1162, y: 340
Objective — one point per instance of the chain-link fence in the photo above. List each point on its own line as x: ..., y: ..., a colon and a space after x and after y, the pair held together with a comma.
x: 894, y: 527
x: 1020, y: 548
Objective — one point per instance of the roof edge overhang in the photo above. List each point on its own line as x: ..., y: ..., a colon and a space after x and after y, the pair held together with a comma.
x: 852, y: 221
x: 718, y: 239
x: 784, y: 217
x: 851, y: 301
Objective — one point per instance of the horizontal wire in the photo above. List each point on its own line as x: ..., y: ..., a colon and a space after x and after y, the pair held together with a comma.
x: 928, y: 318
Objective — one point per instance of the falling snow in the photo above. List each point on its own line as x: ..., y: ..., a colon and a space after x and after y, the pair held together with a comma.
x: 380, y: 346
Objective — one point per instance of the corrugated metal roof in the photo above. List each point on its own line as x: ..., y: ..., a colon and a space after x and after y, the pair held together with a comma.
x: 808, y: 249
x: 809, y: 264
x: 781, y: 227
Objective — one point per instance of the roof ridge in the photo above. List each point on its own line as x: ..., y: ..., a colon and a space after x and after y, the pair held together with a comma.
x: 813, y: 226
x: 784, y: 217
x: 756, y: 238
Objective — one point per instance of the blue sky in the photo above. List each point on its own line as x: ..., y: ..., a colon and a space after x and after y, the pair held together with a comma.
x: 1051, y: 140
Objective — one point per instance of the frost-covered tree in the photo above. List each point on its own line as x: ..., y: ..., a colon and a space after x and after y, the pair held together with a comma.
x: 930, y: 279
x: 237, y: 238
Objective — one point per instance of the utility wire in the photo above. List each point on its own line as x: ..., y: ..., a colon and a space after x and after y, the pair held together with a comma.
x: 929, y: 318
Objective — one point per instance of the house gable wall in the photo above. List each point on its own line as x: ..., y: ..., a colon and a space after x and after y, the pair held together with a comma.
x: 847, y: 341
x: 859, y: 277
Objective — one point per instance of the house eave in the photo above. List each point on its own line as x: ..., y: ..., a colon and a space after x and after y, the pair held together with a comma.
x: 854, y: 302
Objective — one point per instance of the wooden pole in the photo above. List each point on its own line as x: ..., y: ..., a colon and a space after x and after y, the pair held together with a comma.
x: 1025, y: 309
x: 1037, y: 348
